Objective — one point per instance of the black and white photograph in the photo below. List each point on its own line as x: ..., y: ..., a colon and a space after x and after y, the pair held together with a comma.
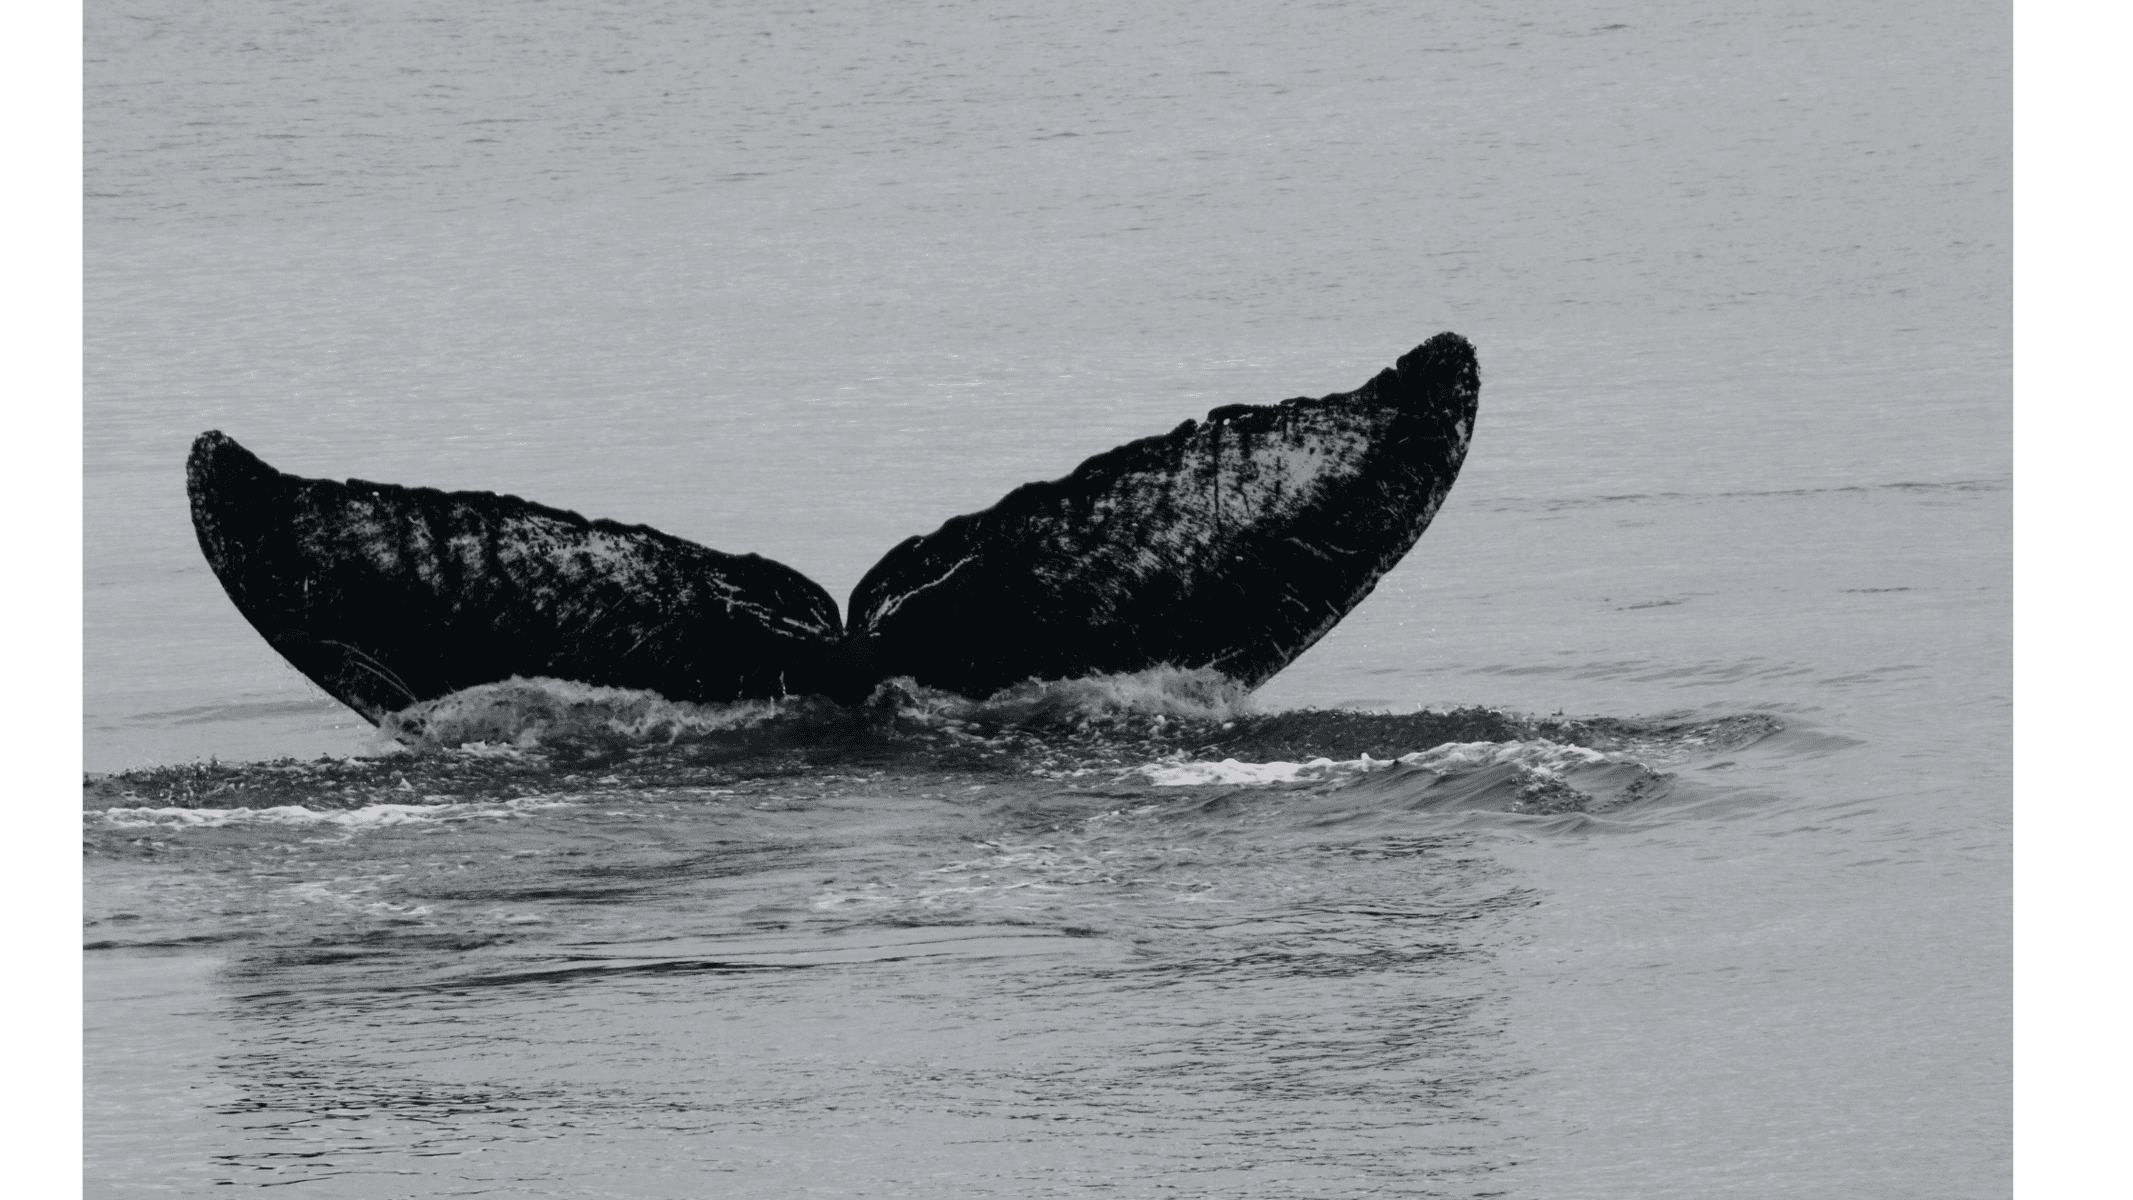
x: 967, y: 598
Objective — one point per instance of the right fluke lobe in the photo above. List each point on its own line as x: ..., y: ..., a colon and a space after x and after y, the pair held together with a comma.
x: 1233, y: 543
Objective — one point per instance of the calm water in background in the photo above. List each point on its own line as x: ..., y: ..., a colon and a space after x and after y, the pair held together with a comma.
x: 808, y: 281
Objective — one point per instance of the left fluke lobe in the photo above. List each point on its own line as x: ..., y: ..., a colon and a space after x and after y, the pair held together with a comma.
x: 386, y: 595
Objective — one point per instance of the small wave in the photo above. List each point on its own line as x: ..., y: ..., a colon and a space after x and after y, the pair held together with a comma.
x: 369, y: 817
x: 1534, y: 777
x: 1174, y: 693
x: 1229, y: 770
x: 1539, y: 754
x: 542, y: 737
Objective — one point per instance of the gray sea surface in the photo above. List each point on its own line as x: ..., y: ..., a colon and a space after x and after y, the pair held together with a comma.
x: 807, y: 280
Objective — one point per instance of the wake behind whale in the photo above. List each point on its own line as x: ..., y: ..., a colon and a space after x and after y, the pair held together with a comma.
x: 1230, y: 544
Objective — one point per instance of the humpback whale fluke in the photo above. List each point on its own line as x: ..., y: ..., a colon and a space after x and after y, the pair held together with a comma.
x: 1233, y: 543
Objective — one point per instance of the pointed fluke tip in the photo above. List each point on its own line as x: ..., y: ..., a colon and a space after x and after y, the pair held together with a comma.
x: 210, y: 446
x: 1444, y: 361
x: 217, y: 456
x: 200, y: 464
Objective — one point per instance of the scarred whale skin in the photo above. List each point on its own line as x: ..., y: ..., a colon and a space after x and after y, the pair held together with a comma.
x: 385, y: 595
x: 1233, y: 543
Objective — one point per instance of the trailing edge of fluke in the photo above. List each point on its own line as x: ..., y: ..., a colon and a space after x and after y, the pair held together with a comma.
x: 1232, y: 543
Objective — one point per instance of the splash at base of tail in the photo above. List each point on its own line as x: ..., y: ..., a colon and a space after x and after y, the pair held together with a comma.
x: 1228, y: 545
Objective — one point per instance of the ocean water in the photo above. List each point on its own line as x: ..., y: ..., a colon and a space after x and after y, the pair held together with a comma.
x: 1645, y: 834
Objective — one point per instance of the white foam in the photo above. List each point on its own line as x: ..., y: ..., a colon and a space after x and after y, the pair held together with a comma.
x: 502, y: 719
x: 373, y: 816
x: 1539, y: 754
x: 1163, y: 693
x: 1229, y: 770
x: 488, y: 750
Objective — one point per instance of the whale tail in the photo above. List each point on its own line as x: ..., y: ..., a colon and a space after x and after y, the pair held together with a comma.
x: 1232, y: 543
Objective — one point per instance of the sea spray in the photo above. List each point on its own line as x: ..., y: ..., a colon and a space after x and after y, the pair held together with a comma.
x: 530, y: 712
